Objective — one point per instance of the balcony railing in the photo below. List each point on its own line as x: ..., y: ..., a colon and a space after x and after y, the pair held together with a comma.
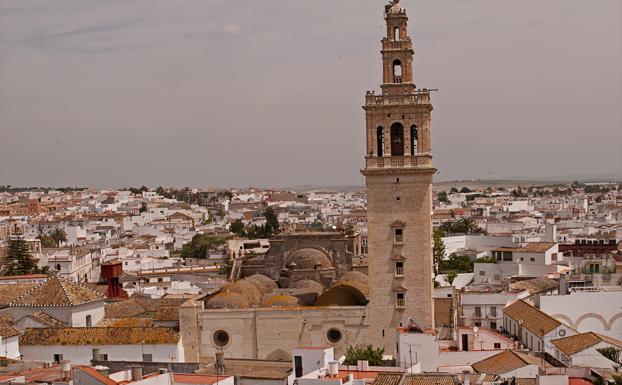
x: 398, y: 161
x: 399, y: 271
x: 400, y: 303
x: 417, y: 98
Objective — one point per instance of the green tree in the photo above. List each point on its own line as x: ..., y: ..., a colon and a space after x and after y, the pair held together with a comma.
x: 364, y: 352
x: 438, y: 252
x: 272, y: 222
x: 59, y: 236
x: 143, y: 207
x: 451, y: 276
x: 237, y: 227
x: 456, y: 264
x: 442, y: 197
x: 613, y: 354
x: 200, y: 245
x: 46, y: 241
x: 18, y: 260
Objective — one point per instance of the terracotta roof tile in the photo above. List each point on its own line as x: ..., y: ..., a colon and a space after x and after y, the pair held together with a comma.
x: 535, y: 320
x: 442, y: 311
x: 7, y: 331
x: 46, y: 319
x: 504, y: 362
x: 388, y: 379
x: 167, y: 313
x: 431, y: 379
x: 57, y: 291
x: 100, y: 336
x: 9, y: 292
x: 536, y: 285
x: 579, y: 342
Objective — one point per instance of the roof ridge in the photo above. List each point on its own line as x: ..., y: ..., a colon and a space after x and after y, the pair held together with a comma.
x: 62, y: 285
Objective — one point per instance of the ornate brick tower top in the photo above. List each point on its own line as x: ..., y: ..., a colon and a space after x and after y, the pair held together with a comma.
x: 398, y: 175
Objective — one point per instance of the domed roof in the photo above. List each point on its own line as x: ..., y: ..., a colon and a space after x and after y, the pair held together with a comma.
x: 352, y: 289
x: 281, y: 300
x: 356, y: 276
x: 247, y: 289
x: 308, y: 284
x: 227, y: 300
x: 263, y: 283
x: 307, y: 258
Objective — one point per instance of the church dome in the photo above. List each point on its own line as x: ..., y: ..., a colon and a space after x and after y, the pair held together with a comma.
x: 227, y: 300
x: 263, y: 283
x: 281, y: 300
x: 352, y: 289
x: 308, y: 284
x: 246, y: 289
x: 308, y: 258
x: 355, y: 276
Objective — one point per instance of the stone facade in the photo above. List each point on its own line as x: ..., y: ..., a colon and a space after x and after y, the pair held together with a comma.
x: 269, y: 333
x: 338, y: 248
x: 398, y: 176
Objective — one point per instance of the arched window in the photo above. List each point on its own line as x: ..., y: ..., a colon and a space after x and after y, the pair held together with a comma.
x: 397, y: 71
x: 396, y: 33
x: 397, y: 139
x: 58, y: 266
x: 414, y: 139
x: 380, y: 140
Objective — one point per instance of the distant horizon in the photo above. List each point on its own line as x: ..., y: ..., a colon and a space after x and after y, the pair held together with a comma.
x: 517, y: 180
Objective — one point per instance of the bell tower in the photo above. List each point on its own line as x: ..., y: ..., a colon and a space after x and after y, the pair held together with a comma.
x: 398, y: 175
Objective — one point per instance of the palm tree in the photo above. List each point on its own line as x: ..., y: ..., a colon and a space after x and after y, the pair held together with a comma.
x: 59, y: 236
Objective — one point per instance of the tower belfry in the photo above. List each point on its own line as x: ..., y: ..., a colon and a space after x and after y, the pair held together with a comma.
x: 398, y: 175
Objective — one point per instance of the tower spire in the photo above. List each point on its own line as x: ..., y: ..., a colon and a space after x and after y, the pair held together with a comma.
x: 398, y: 175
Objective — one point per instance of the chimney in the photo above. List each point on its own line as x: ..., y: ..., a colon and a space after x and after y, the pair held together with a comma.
x: 137, y: 373
x: 220, y: 363
x: 96, y: 356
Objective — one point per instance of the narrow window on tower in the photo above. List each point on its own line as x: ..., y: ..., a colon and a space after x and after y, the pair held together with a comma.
x: 414, y: 139
x: 399, y: 300
x: 398, y: 235
x: 397, y: 71
x: 397, y: 139
x: 396, y: 33
x: 399, y: 269
x: 380, y: 140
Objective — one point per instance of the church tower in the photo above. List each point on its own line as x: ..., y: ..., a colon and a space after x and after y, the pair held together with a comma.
x: 398, y: 175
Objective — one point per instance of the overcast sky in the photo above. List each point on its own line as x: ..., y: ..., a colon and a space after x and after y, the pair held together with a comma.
x: 269, y: 92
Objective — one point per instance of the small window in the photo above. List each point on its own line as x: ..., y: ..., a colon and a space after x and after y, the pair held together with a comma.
x: 103, y: 357
x: 58, y: 358
x: 399, y: 269
x: 334, y: 335
x: 89, y: 322
x: 532, y: 259
x: 478, y: 311
x: 160, y: 279
x: 478, y: 324
x: 147, y: 358
x: 493, y: 325
x: 221, y: 338
x: 493, y: 312
x: 399, y: 235
x: 396, y: 33
x: 58, y: 266
x: 482, y: 272
x: 497, y: 345
x: 400, y: 302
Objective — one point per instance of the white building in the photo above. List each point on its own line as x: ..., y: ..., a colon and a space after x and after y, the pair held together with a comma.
x: 581, y: 350
x: 70, y: 303
x: 9, y: 342
x: 532, y: 327
x: 114, y: 344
